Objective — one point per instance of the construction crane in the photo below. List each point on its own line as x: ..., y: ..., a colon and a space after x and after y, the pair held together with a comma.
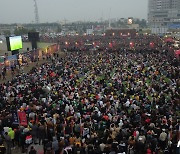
x: 36, y: 12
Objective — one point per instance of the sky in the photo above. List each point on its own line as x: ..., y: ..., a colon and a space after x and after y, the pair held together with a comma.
x: 22, y: 11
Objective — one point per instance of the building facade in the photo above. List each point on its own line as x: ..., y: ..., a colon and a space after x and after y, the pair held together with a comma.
x: 163, y: 15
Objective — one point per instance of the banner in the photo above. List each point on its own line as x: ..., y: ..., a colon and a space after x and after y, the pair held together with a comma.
x: 22, y: 118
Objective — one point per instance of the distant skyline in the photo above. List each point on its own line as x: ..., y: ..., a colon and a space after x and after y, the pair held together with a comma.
x: 22, y: 11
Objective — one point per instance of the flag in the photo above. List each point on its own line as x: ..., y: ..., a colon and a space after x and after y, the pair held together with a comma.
x: 22, y: 118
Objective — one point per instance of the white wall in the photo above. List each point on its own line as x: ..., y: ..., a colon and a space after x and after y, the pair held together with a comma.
x: 160, y: 30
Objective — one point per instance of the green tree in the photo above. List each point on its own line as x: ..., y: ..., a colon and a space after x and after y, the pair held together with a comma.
x: 6, y: 32
x: 143, y: 23
x: 20, y: 31
x: 32, y: 30
x: 59, y: 29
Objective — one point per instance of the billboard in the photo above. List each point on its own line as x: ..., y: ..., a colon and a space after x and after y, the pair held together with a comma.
x: 174, y: 26
x: 14, y: 43
x: 130, y: 21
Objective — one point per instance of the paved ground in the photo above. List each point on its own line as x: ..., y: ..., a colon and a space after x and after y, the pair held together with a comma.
x: 38, y: 147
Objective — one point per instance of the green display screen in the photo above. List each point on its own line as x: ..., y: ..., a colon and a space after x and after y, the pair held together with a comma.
x: 15, y: 43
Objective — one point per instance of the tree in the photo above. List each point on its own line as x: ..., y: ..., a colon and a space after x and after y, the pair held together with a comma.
x: 32, y: 30
x: 84, y: 29
x: 59, y: 29
x: 20, y: 31
x: 7, y: 32
x: 143, y: 23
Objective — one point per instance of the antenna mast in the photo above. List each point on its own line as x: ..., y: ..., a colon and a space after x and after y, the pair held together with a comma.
x: 36, y: 12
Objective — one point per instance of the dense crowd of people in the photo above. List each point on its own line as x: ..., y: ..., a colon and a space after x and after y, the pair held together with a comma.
x: 103, y: 42
x: 95, y: 102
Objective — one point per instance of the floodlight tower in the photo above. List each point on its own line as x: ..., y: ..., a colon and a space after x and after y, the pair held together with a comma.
x: 36, y: 12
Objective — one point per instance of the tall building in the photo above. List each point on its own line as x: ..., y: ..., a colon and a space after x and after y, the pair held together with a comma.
x: 163, y: 15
